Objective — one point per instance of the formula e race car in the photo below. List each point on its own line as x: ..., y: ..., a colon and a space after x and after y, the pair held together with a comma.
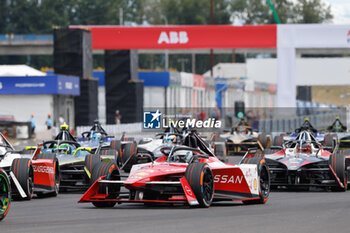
x: 5, y: 194
x: 304, y: 162
x: 338, y: 131
x: 74, y: 160
x: 95, y: 137
x: 328, y: 140
x: 29, y: 173
x: 241, y: 138
x: 184, y: 175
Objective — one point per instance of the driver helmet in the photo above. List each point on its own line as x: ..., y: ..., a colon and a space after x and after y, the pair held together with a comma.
x: 171, y: 139
x: 69, y: 149
x: 96, y: 136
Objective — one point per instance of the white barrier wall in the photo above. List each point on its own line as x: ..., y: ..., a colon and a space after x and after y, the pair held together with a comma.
x: 154, y: 97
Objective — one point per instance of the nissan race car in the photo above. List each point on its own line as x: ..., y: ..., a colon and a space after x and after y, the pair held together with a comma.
x: 241, y: 138
x: 95, y: 137
x: 305, y: 162
x: 183, y: 175
x: 29, y: 173
x: 5, y: 194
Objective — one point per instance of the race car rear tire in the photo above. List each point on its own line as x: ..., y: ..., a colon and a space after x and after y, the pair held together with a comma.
x: 90, y: 161
x: 278, y: 140
x: 23, y: 170
x: 264, y: 184
x: 201, y: 180
x: 110, y: 170
x: 337, y: 162
x: 329, y: 140
x: 262, y: 138
x: 116, y: 145
x: 5, y: 194
x: 128, y: 156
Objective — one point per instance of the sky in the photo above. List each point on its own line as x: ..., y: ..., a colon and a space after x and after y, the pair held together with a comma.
x: 340, y: 10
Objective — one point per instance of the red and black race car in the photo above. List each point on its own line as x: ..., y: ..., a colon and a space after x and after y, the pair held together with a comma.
x: 304, y: 162
x: 183, y: 174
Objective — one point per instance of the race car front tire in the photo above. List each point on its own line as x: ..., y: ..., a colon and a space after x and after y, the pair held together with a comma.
x: 5, y: 194
x: 110, y: 170
x: 23, y: 171
x: 262, y: 138
x: 91, y: 161
x: 201, y: 180
x: 264, y: 184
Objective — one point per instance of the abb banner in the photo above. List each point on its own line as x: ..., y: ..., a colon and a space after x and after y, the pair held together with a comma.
x: 182, y: 37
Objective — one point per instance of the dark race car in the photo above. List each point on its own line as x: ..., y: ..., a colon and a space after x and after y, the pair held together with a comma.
x: 183, y: 174
x: 95, y: 137
x: 74, y: 160
x: 241, y: 138
x: 305, y: 162
x: 339, y: 132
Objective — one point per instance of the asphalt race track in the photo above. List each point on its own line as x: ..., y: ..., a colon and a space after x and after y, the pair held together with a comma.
x: 284, y: 212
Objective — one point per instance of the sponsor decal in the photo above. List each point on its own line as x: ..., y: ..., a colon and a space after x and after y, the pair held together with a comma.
x: 255, y: 184
x: 43, y: 169
x: 69, y: 85
x: 188, y: 190
x: 173, y: 37
x: 225, y: 179
x: 141, y: 174
x: 25, y: 85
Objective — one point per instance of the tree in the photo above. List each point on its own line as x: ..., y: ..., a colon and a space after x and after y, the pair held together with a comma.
x: 312, y: 11
x: 299, y: 11
x: 187, y: 12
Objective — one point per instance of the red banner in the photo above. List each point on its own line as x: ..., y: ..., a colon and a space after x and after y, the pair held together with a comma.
x: 182, y: 37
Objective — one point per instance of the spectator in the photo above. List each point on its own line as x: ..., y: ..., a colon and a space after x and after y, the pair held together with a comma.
x: 48, y: 121
x: 118, y: 117
x: 32, y: 123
